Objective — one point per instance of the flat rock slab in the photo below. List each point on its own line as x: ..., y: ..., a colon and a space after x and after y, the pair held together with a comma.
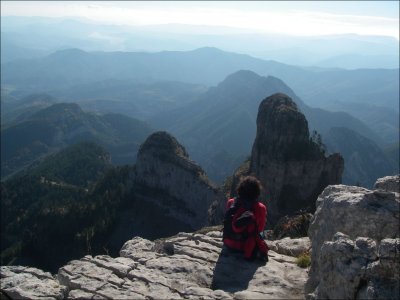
x: 19, y: 282
x: 289, y: 246
x: 186, y: 266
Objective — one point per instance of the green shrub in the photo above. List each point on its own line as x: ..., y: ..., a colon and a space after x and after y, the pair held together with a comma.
x: 304, y: 260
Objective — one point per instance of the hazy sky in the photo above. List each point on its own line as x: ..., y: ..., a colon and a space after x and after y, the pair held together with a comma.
x: 292, y: 17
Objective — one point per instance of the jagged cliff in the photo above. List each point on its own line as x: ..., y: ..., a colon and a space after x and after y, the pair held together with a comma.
x: 166, y: 193
x: 164, y: 165
x: 291, y: 166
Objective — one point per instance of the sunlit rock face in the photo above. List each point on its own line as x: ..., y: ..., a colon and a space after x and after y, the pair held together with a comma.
x: 292, y: 168
x: 355, y: 243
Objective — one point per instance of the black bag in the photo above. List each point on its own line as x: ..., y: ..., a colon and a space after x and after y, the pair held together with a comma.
x: 240, y: 222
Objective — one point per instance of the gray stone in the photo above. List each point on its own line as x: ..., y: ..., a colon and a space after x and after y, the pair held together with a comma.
x: 352, y: 232
x: 292, y: 247
x: 197, y: 268
x: 163, y: 164
x: 138, y: 250
x: 80, y: 295
x: 19, y: 282
x: 357, y: 268
x: 292, y: 168
x: 388, y: 184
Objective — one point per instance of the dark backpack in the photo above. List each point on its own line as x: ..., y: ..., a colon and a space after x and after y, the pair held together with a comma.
x: 229, y: 219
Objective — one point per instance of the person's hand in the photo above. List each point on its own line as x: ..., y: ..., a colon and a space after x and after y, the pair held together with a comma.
x: 246, y: 214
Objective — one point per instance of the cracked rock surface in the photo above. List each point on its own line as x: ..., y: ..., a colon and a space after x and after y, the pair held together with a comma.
x: 355, y: 243
x: 361, y: 269
x: 186, y: 266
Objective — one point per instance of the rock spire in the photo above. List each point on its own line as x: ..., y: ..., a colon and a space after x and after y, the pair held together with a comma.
x: 164, y: 165
x: 289, y: 163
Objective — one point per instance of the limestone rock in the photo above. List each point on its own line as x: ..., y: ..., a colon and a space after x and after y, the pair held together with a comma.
x: 292, y: 167
x: 388, y: 184
x: 185, y: 266
x: 19, y: 282
x: 359, y: 268
x: 164, y: 165
x: 355, y: 212
x: 166, y: 193
x: 291, y: 247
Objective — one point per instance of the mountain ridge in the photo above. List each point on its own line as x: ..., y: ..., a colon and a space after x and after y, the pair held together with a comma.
x: 158, y: 66
x: 63, y: 124
x: 219, y: 128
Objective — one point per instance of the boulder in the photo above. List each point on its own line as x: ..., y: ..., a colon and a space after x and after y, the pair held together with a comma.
x: 388, y: 184
x: 361, y: 268
x: 18, y: 282
x: 291, y: 247
x: 364, y: 219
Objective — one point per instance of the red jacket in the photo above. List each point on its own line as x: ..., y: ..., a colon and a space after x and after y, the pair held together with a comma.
x: 260, y: 215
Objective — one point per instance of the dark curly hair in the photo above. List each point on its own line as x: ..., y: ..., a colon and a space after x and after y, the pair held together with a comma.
x: 249, y: 188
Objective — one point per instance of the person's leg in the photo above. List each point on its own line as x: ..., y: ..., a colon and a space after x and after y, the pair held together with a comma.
x: 262, y: 248
x: 250, y: 242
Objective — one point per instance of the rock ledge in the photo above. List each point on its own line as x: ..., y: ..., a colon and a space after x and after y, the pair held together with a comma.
x: 186, y: 266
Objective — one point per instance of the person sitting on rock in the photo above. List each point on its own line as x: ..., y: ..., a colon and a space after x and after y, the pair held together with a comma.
x: 245, y: 219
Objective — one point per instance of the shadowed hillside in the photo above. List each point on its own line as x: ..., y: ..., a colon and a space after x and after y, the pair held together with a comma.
x: 73, y: 67
x: 64, y: 124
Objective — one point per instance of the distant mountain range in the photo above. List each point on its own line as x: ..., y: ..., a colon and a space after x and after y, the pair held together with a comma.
x: 29, y: 37
x: 62, y: 124
x: 217, y: 126
x: 74, y: 69
x: 16, y: 110
x: 218, y: 129
x: 137, y: 100
x: 364, y: 160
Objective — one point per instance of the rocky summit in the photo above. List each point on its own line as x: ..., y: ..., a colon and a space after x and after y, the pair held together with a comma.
x: 184, y: 191
x: 186, y: 266
x: 166, y: 193
x: 355, y: 240
x: 291, y: 166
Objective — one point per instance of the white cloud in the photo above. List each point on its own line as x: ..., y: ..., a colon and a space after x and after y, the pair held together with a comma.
x: 274, y: 20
